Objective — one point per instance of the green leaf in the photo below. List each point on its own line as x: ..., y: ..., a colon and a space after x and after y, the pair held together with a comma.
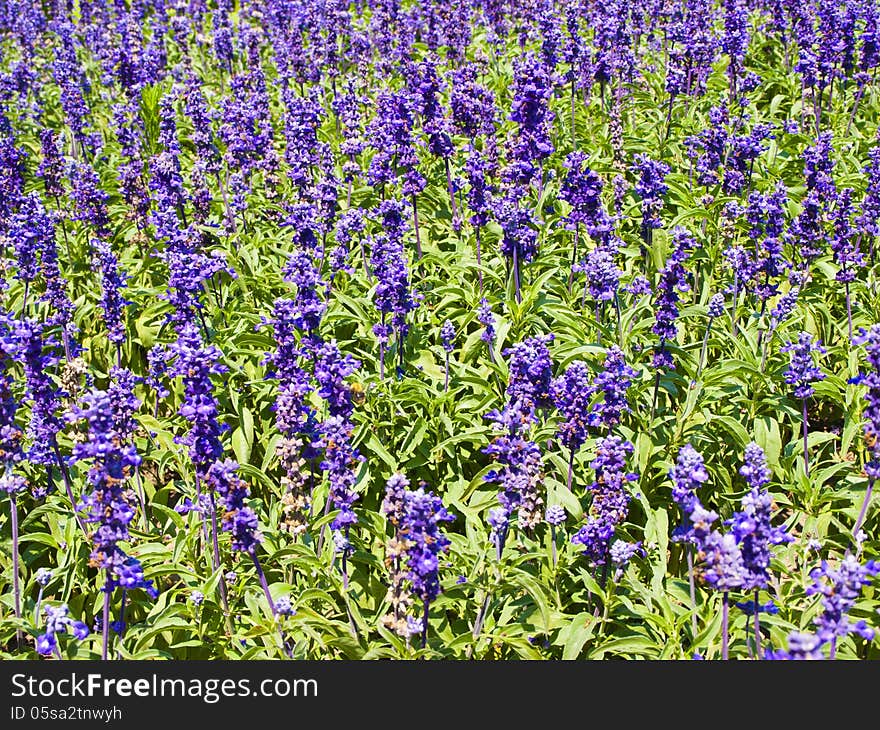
x: 577, y: 633
x: 241, y: 446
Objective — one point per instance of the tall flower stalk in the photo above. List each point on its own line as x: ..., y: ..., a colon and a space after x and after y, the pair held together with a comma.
x: 609, y: 505
x: 674, y: 280
x: 801, y: 373
x: 486, y: 318
x: 572, y: 393
x: 715, y: 310
x: 35, y: 349
x: 871, y: 341
x: 688, y: 474
x: 753, y: 531
x: 839, y: 587
x: 520, y: 466
x: 447, y: 337
x: 414, y: 552
x: 393, y: 296
x: 195, y: 362
x: 110, y: 505
x: 10, y: 452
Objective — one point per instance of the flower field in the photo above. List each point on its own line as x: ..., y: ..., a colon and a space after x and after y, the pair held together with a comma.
x: 477, y: 329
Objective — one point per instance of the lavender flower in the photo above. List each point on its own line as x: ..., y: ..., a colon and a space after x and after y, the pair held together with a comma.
x: 195, y: 363
x: 303, y: 117
x: 238, y: 519
x: 308, y: 306
x: 603, y: 274
x: 112, y: 282
x: 735, y: 560
x: 531, y: 370
x: 716, y: 306
x: 59, y: 621
x: 90, y: 201
x: 651, y: 188
x: 818, y: 166
x: 845, y: 246
x: 394, y: 503
x: 340, y: 462
x: 348, y: 229
x: 110, y: 505
x: 473, y: 107
x: 714, y: 310
x: 520, y: 475
x: 283, y: 607
x: 43, y: 577
x: 36, y: 351
x: 610, y: 499
x: 425, y: 99
x: 531, y: 90
x: 31, y: 230
x: 581, y: 188
x: 519, y: 241
x: 869, y: 216
x: 751, y: 526
x: 293, y: 415
x: 673, y: 280
x: 11, y: 451
x: 735, y: 40
x: 555, y: 515
x: 806, y: 233
x: 752, y: 529
x: 621, y: 553
x: 802, y: 371
x: 766, y: 214
x: 72, y: 83
x: 391, y: 135
x: 331, y: 370
x: 478, y: 171
x: 840, y: 587
x: 688, y: 474
x: 720, y: 562
x: 499, y: 520
x: 571, y: 393
x: 750, y: 608
x: 801, y: 646
x: 639, y: 286
x: 447, y: 335
x: 871, y: 340
x: 420, y: 527
x: 486, y: 318
x: 392, y: 297
x: 413, y: 553
x: 447, y: 338
x: 51, y: 167
x: 612, y: 382
x: 130, y: 172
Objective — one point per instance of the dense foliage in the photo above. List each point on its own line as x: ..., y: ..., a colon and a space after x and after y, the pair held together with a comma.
x: 476, y: 329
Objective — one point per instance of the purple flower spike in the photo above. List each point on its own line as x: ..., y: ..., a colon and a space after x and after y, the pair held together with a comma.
x: 802, y: 371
